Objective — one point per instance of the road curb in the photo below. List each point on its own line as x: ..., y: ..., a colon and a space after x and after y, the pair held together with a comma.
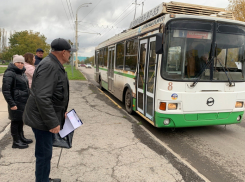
x: 83, y: 74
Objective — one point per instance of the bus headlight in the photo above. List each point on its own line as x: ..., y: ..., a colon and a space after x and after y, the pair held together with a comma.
x: 239, y: 104
x: 172, y: 106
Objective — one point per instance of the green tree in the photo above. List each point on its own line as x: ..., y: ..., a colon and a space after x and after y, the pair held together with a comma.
x: 237, y: 7
x: 86, y: 61
x: 25, y: 41
x: 91, y: 60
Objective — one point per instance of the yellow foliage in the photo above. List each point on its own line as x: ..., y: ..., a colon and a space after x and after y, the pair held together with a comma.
x: 237, y: 7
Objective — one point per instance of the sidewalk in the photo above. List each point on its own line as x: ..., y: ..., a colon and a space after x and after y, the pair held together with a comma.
x: 4, y: 121
x: 109, y: 147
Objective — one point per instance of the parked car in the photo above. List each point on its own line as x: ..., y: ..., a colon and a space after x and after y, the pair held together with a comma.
x: 82, y: 65
x: 88, y: 66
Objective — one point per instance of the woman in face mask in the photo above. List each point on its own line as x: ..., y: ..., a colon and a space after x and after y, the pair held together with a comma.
x: 15, y: 89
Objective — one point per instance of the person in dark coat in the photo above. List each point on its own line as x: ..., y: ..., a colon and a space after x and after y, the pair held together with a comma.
x: 16, y: 92
x: 38, y: 56
x: 46, y: 107
x: 202, y: 62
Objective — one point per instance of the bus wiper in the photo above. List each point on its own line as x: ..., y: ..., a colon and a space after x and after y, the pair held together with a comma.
x: 230, y: 83
x: 208, y: 64
x: 199, y: 76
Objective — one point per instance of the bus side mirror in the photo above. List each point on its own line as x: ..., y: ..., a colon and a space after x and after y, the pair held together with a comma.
x: 159, y: 43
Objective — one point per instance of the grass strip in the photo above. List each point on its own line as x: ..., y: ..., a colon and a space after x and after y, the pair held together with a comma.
x: 2, y: 69
x: 77, y: 75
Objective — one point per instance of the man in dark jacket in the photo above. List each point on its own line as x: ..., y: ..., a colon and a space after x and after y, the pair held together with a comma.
x: 46, y: 107
x: 38, y: 56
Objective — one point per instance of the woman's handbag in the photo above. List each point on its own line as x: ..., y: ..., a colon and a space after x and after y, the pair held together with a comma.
x: 65, y: 142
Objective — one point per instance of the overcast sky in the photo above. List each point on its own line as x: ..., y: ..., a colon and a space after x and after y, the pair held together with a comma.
x: 56, y: 18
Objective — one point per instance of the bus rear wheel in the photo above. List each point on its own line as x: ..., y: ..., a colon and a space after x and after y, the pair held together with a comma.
x: 128, y: 104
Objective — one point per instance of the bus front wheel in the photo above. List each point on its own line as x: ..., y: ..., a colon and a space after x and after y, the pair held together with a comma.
x: 128, y: 104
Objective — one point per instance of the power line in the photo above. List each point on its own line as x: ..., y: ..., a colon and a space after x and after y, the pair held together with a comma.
x: 118, y: 17
x: 116, y: 24
x: 66, y: 14
x: 119, y: 22
x: 69, y: 11
x: 128, y: 13
x: 130, y: 5
x: 100, y: 26
x: 122, y: 13
x: 92, y: 9
x: 125, y: 16
x: 90, y: 12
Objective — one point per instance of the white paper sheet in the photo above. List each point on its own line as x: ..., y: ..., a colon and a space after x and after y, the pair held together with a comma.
x: 239, y: 65
x: 72, y: 122
x: 74, y: 119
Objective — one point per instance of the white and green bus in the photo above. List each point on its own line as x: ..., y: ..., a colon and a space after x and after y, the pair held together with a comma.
x: 178, y: 65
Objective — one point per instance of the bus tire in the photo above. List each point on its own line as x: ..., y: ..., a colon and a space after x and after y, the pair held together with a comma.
x: 127, y: 101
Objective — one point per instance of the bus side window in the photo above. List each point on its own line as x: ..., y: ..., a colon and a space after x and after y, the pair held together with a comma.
x: 131, y: 55
x: 101, y: 63
x: 105, y: 56
x: 119, y: 56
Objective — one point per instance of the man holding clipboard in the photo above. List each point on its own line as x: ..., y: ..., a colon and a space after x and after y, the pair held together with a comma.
x: 46, y: 107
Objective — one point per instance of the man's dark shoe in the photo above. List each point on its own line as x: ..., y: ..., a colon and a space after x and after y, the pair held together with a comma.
x: 54, y: 180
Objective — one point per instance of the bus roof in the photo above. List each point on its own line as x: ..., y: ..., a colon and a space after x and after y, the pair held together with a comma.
x: 180, y: 8
x: 151, y: 20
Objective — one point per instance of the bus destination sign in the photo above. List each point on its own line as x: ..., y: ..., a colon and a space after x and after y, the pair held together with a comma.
x: 147, y: 16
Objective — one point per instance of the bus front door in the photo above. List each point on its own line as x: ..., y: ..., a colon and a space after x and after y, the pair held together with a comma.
x: 146, y: 77
x: 111, y: 69
x: 141, y: 75
x: 150, y: 79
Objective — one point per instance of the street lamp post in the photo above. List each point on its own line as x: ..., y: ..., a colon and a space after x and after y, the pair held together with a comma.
x: 77, y: 31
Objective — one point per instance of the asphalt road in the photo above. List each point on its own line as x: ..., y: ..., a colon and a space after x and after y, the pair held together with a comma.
x: 217, y: 152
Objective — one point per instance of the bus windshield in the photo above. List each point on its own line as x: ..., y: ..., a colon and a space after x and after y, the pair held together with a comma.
x: 188, y: 51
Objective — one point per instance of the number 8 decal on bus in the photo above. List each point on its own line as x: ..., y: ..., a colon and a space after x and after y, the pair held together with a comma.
x: 170, y: 86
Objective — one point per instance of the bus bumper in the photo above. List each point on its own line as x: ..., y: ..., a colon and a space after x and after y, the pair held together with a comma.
x: 197, y: 119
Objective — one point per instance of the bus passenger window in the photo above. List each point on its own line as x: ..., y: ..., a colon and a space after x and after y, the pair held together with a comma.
x: 105, y: 56
x: 119, y: 56
x: 101, y: 63
x: 131, y: 55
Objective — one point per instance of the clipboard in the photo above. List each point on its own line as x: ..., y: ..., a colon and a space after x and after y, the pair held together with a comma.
x: 72, y: 122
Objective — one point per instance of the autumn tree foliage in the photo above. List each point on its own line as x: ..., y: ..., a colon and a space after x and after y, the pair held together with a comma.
x: 91, y: 60
x: 25, y: 41
x: 237, y: 7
